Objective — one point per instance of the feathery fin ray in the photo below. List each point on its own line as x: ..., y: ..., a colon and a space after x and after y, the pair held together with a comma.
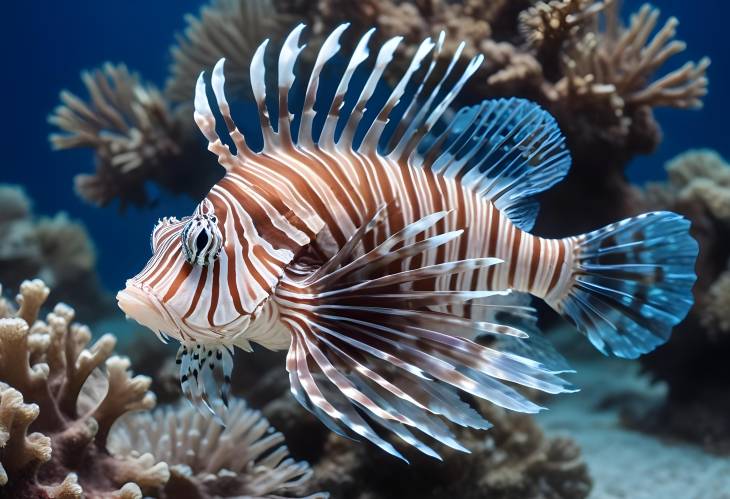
x: 358, y: 331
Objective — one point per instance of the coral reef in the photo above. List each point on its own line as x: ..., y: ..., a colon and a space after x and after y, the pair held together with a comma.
x: 246, y: 458
x: 694, y: 361
x: 51, y: 445
x: 56, y: 249
x: 67, y: 428
x: 599, y: 77
x: 136, y: 137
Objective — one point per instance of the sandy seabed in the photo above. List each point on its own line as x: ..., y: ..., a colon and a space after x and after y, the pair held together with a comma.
x: 622, y: 462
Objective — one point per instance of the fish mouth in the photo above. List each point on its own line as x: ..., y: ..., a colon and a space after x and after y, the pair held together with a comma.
x: 145, y: 308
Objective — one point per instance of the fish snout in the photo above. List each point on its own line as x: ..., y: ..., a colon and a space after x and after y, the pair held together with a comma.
x: 143, y: 307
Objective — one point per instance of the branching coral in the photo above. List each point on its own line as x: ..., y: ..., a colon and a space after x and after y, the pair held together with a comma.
x: 43, y: 366
x: 135, y: 136
x: 245, y: 458
x: 56, y: 249
x: 618, y: 64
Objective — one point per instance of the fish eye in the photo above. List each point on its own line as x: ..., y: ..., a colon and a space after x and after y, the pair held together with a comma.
x: 201, y: 240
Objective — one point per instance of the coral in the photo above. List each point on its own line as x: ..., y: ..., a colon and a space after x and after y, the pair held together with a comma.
x: 224, y: 28
x: 50, y: 444
x: 246, y: 458
x: 56, y: 249
x: 136, y: 138
x: 694, y: 361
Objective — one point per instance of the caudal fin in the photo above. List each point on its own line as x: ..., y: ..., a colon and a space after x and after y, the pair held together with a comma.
x: 632, y: 283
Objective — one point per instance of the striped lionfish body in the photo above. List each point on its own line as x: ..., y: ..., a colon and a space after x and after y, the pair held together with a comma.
x: 376, y: 241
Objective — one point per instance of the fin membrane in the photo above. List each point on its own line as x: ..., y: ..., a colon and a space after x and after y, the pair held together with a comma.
x: 365, y: 343
x: 632, y: 283
x: 507, y: 150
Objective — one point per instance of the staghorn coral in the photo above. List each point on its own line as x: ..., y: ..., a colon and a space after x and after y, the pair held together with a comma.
x: 694, y: 361
x: 51, y: 446
x: 246, y: 458
x: 136, y: 138
x: 56, y: 249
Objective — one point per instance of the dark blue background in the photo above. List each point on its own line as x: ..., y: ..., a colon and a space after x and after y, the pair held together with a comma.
x: 47, y: 44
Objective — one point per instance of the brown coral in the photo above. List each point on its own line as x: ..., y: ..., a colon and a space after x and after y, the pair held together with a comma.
x: 246, y: 458
x: 136, y: 138
x: 43, y: 366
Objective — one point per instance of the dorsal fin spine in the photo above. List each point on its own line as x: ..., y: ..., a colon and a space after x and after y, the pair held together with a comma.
x: 418, y: 127
x: 287, y: 59
x: 330, y: 48
x: 258, y: 86
x: 358, y: 57
x: 372, y: 136
x: 385, y: 55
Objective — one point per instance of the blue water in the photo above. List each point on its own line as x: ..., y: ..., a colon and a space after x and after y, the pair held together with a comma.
x: 47, y: 44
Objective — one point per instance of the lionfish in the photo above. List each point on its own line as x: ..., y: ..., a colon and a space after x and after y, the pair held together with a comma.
x: 376, y: 239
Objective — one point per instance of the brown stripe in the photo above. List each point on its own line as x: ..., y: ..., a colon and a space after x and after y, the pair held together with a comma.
x: 198, y: 291
x: 558, y: 266
x: 179, y: 279
x: 514, y: 256
x: 215, y: 292
x: 494, y: 219
x: 229, y: 249
x: 534, y: 261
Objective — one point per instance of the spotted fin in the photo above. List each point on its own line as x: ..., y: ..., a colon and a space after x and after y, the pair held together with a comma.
x: 205, y: 376
x: 367, y: 348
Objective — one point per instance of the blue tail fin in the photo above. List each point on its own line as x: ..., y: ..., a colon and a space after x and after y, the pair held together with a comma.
x: 632, y: 282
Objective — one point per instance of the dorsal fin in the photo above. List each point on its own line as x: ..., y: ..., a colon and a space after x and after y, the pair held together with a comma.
x: 507, y: 150
x: 421, y: 112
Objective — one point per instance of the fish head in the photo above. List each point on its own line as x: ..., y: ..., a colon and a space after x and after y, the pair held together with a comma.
x: 184, y: 290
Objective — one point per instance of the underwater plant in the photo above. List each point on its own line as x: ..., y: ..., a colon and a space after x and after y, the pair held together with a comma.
x: 357, y: 252
x: 244, y: 458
